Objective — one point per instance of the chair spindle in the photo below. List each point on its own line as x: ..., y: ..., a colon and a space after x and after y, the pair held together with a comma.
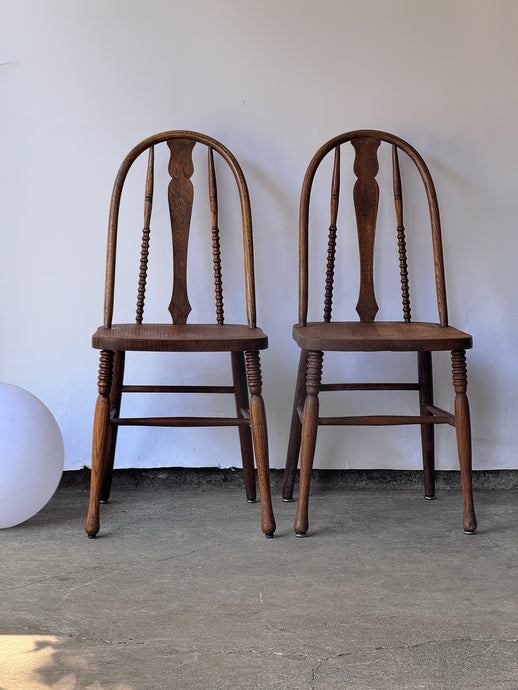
x: 181, y: 195
x: 144, y: 251
x: 331, y: 246
x: 401, y: 241
x: 366, y: 198
x: 216, y: 248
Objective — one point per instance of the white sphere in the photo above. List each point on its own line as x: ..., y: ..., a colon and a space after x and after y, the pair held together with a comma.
x: 31, y: 455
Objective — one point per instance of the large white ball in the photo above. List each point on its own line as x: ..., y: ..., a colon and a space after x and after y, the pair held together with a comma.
x: 31, y: 455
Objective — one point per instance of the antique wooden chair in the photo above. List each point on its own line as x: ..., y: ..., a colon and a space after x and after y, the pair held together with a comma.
x: 368, y: 335
x: 242, y: 341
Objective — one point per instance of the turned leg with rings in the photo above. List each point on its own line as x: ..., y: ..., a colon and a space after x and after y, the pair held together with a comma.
x: 463, y: 429
x: 245, y: 436
x: 309, y: 438
x: 115, y: 403
x: 260, y: 440
x: 100, y: 440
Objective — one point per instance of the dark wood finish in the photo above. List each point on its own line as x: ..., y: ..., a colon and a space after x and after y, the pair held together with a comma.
x: 242, y: 341
x: 144, y: 251
x: 181, y: 195
x: 216, y: 249
x: 379, y: 336
x: 417, y: 159
x: 163, y: 337
x: 433, y: 409
x: 115, y: 403
x: 424, y: 368
x: 260, y: 439
x: 292, y: 457
x: 231, y: 161
x: 381, y: 420
x: 331, y: 244
x: 309, y: 437
x: 400, y: 229
x: 369, y: 335
x: 463, y: 429
x: 369, y: 387
x: 366, y: 197
x: 180, y: 421
x: 177, y: 389
x: 100, y: 440
x: 242, y: 411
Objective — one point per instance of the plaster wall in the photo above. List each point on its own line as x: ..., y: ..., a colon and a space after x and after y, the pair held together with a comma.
x: 273, y: 81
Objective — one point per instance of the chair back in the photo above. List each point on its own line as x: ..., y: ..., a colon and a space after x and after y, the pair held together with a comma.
x: 180, y: 196
x: 365, y: 198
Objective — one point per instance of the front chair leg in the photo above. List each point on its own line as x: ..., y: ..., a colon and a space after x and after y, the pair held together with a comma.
x: 260, y: 440
x: 100, y: 440
x: 463, y: 429
x: 309, y: 438
x: 292, y: 456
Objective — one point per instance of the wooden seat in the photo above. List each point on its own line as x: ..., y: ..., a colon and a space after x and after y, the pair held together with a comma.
x: 242, y: 341
x: 164, y: 337
x: 367, y: 334
x: 380, y: 335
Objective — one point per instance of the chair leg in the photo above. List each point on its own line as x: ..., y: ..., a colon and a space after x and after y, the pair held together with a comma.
x: 309, y: 438
x: 463, y: 429
x: 100, y: 439
x: 260, y: 440
x: 292, y: 457
x: 115, y: 404
x: 245, y: 435
x: 427, y: 430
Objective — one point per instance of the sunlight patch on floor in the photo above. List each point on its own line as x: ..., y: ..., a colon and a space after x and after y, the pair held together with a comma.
x: 23, y: 656
x: 40, y: 662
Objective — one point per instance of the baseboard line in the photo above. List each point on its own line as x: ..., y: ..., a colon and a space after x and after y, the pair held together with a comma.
x: 204, y: 477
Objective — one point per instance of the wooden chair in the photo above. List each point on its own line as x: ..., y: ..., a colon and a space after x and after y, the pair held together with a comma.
x: 242, y: 341
x: 368, y: 335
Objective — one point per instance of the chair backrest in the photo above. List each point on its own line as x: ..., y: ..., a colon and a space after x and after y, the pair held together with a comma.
x: 180, y: 195
x: 365, y: 198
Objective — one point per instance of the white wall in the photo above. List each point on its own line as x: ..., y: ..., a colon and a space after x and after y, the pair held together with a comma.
x: 272, y: 80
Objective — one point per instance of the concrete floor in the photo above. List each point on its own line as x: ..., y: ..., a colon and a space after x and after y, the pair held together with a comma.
x: 182, y: 590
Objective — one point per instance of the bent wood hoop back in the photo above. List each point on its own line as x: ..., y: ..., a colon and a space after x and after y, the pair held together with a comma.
x: 365, y: 197
x: 180, y: 200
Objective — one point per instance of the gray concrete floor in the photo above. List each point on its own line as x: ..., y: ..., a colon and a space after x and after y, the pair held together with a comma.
x: 182, y: 590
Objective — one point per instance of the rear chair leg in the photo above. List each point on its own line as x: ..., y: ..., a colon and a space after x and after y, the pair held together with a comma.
x: 115, y: 404
x: 100, y: 439
x: 427, y: 431
x: 309, y: 438
x: 463, y: 429
x: 245, y: 436
x: 260, y: 440
x: 292, y: 457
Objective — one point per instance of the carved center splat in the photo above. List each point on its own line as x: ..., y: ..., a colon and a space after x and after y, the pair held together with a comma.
x: 181, y: 195
x: 366, y: 197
